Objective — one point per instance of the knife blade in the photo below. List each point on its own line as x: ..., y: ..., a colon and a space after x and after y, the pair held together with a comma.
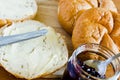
x: 5, y: 40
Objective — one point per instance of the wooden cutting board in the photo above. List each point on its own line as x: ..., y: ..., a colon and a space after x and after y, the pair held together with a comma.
x: 47, y: 13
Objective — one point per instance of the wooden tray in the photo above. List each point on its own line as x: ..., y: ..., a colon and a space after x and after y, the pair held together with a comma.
x: 47, y: 13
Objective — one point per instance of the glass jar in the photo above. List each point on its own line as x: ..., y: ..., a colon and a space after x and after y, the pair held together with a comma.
x: 77, y: 70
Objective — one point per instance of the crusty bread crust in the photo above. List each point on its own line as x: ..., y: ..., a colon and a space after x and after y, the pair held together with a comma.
x: 97, y: 25
x: 68, y: 9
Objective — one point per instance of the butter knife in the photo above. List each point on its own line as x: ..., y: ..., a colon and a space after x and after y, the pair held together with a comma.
x: 5, y: 40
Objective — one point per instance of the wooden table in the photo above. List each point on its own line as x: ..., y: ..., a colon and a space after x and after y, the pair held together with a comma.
x: 47, y: 13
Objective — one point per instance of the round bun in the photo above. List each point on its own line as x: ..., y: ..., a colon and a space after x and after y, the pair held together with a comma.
x: 68, y: 9
x: 36, y: 57
x: 17, y: 10
x: 96, y: 25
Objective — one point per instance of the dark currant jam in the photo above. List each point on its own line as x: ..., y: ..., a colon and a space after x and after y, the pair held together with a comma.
x: 71, y: 73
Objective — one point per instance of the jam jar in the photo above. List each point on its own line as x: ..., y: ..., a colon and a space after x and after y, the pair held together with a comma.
x: 76, y: 69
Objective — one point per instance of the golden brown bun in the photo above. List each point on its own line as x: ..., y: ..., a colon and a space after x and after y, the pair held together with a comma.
x: 96, y: 26
x: 68, y: 9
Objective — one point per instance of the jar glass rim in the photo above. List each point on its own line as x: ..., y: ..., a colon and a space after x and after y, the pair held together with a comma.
x: 91, y: 47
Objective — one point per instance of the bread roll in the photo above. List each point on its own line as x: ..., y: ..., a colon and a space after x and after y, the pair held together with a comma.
x: 35, y: 57
x: 68, y: 9
x: 17, y: 10
x: 96, y: 25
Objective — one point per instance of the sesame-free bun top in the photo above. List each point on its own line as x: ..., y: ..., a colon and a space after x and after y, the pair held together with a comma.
x: 68, y: 9
x: 97, y: 25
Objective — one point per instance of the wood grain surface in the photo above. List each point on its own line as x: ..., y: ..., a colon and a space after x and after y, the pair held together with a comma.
x: 47, y: 13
